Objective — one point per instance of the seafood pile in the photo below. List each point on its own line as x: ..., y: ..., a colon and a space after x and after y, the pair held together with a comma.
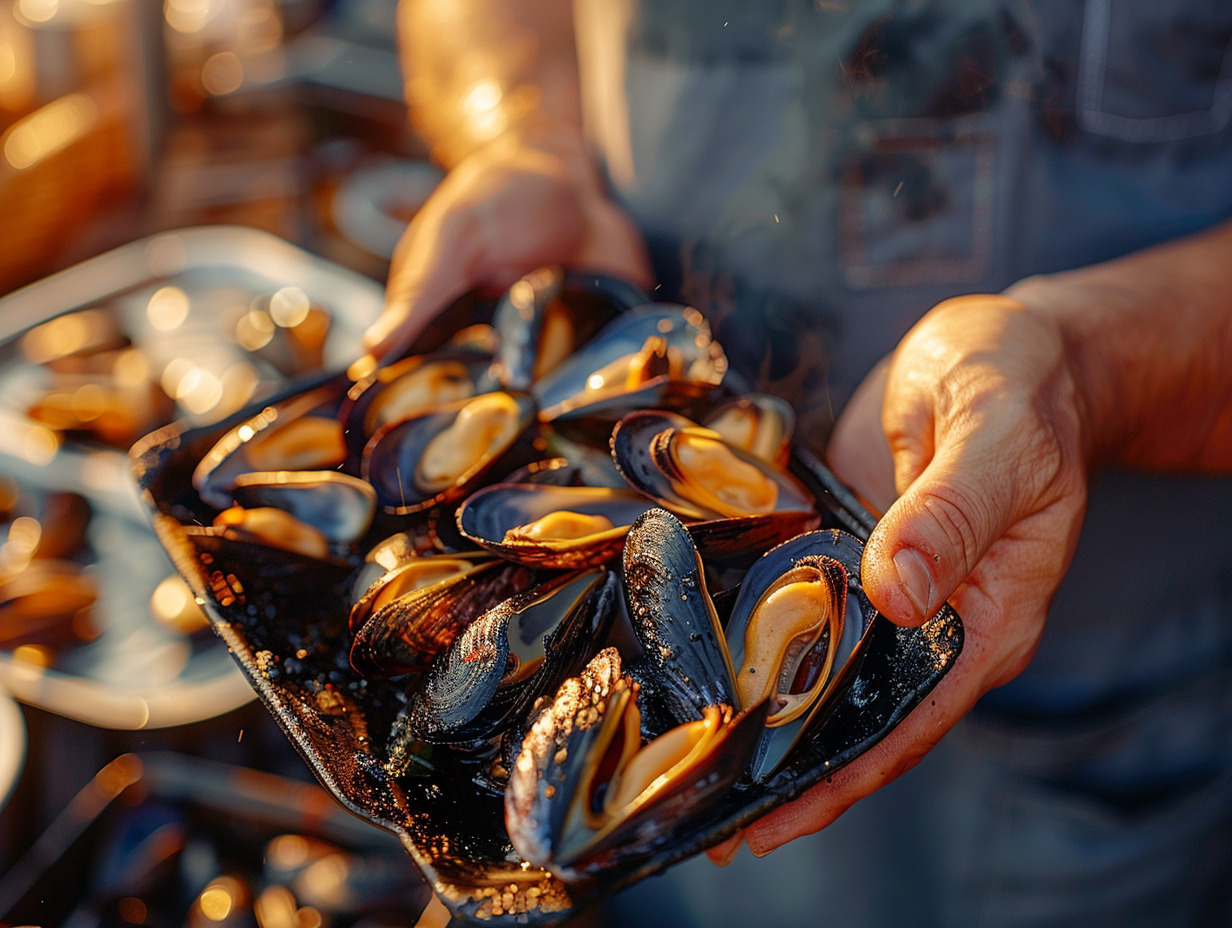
x: 552, y: 598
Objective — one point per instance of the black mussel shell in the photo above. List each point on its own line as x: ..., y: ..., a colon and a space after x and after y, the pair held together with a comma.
x: 641, y: 349
x: 405, y: 634
x: 759, y: 423
x: 512, y: 654
x: 299, y: 434
x: 646, y: 448
x: 338, y: 505
x: 497, y: 517
x: 557, y: 803
x: 409, y: 387
x: 396, y: 456
x: 826, y: 550
x: 545, y: 316
x: 673, y: 616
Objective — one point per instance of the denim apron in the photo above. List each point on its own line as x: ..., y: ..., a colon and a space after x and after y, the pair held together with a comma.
x: 814, y: 176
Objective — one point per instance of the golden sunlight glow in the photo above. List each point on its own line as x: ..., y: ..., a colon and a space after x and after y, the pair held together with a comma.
x: 56, y: 338
x: 8, y: 63
x: 167, y: 309
x: 198, y: 391
x: 289, y: 306
x: 130, y: 368
x: 175, y: 371
x: 222, y: 73
x: 48, y: 130
x: 188, y: 16
x: 37, y: 11
x: 40, y: 445
x: 25, y: 533
x: 32, y: 655
x: 482, y: 105
x: 220, y: 897
x: 254, y: 330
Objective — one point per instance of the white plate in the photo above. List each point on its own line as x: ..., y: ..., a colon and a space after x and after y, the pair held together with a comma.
x: 139, y: 674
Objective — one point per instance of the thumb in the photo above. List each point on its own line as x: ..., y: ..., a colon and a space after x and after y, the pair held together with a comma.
x: 931, y: 538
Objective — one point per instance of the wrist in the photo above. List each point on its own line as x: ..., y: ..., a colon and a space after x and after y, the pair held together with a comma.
x: 1082, y: 313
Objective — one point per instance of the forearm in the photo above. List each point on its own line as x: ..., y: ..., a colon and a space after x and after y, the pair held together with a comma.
x: 477, y: 69
x: 1149, y: 337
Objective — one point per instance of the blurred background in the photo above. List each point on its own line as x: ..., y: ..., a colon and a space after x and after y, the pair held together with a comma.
x: 198, y: 200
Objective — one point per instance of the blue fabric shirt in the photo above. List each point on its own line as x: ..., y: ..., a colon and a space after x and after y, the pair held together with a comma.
x: 814, y: 176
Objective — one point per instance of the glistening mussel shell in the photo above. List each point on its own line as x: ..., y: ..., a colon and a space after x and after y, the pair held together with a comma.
x: 510, y: 655
x: 399, y: 632
x: 673, y: 616
x: 300, y: 433
x: 586, y: 795
x: 830, y: 561
x: 544, y: 317
x: 438, y: 456
x: 738, y: 504
x: 338, y: 505
x: 551, y: 526
x: 649, y: 356
x: 410, y: 387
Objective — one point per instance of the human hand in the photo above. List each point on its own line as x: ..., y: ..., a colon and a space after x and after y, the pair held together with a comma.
x: 977, y: 419
x: 519, y: 203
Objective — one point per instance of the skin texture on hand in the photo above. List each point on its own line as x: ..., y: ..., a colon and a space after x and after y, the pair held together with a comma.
x: 976, y: 417
x: 504, y: 211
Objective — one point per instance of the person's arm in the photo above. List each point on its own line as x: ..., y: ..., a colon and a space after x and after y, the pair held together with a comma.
x: 988, y: 419
x: 492, y: 87
x: 476, y: 69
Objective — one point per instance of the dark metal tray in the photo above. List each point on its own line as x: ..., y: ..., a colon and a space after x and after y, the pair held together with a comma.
x: 288, y: 631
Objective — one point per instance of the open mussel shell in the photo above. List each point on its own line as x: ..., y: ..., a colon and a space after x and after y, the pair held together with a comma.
x: 338, y: 505
x: 759, y: 423
x: 673, y: 615
x: 818, y: 572
x: 585, y: 794
x: 410, y: 387
x: 439, y: 456
x: 551, y: 526
x: 545, y: 316
x: 380, y: 560
x: 658, y: 349
x: 515, y: 652
x: 300, y: 434
x: 404, y: 619
x: 695, y: 473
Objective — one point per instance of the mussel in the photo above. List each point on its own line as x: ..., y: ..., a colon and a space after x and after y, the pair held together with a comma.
x: 787, y: 641
x: 414, y: 611
x: 551, y: 526
x: 410, y: 387
x: 302, y: 434
x: 738, y: 505
x: 796, y: 633
x: 439, y: 456
x: 650, y: 356
x: 337, y: 505
x: 759, y: 423
x: 585, y: 792
x: 545, y: 316
x: 512, y: 654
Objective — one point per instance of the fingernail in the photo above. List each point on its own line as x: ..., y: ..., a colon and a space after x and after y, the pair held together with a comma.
x: 758, y: 850
x: 725, y: 854
x: 913, y: 579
